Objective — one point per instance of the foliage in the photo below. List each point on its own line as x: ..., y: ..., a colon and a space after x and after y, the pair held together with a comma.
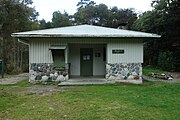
x: 119, y: 17
x: 166, y: 61
x: 15, y: 16
x: 152, y: 100
x: 89, y: 12
x: 19, y: 15
x: 44, y: 25
x: 85, y: 3
x: 85, y: 15
x: 25, y: 68
x: 103, y: 16
x: 60, y: 20
x: 163, y: 20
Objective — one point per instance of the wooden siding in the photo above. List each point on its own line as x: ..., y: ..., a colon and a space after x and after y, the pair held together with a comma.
x: 40, y: 53
x: 39, y: 47
x: 133, y: 52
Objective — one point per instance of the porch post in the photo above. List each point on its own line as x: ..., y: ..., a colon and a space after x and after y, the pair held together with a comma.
x: 67, y: 64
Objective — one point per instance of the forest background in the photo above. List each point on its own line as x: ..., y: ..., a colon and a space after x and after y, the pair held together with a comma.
x: 163, y: 19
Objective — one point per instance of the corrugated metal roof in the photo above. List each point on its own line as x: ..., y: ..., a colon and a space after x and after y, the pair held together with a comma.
x: 84, y: 31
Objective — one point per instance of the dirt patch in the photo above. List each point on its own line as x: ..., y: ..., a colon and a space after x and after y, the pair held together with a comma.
x: 13, y: 79
x: 47, y: 89
x: 176, y: 75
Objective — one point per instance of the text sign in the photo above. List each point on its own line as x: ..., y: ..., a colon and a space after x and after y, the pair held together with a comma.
x: 118, y: 51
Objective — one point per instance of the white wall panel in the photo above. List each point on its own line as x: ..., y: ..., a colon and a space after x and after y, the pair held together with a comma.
x: 74, y: 59
x: 133, y: 52
x: 39, y: 50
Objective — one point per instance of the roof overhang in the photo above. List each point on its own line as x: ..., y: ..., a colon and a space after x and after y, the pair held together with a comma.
x: 81, y: 35
x: 84, y: 31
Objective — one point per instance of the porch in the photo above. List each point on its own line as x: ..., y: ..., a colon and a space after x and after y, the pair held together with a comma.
x: 86, y: 60
x: 86, y: 81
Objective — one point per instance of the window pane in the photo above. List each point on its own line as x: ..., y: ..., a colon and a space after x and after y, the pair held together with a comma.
x: 58, y: 58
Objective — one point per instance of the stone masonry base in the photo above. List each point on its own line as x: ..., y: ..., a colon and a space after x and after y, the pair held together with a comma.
x: 43, y: 72
x: 118, y: 72
x: 124, y: 72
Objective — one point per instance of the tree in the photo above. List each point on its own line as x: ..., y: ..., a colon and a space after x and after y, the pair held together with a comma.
x: 16, y: 15
x: 44, y: 25
x: 86, y: 13
x: 121, y: 16
x: 163, y: 20
x: 85, y: 3
x: 102, y: 16
x: 61, y: 20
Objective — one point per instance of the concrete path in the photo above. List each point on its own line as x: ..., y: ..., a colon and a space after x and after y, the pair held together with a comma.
x: 13, y: 79
x: 85, y: 81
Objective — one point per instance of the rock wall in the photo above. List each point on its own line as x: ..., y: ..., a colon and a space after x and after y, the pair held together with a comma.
x: 124, y: 71
x: 44, y: 72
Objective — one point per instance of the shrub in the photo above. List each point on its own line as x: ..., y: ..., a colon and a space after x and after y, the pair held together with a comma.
x: 166, y: 61
x: 25, y: 68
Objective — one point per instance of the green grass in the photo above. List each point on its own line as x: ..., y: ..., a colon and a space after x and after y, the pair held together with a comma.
x: 148, y: 71
x: 150, y: 101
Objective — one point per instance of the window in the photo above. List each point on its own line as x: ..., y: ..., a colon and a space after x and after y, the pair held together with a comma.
x: 58, y: 57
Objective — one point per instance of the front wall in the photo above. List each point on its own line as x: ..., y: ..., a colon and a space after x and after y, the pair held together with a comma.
x: 125, y: 67
x: 39, y: 47
x: 39, y: 50
x: 41, y: 61
x: 40, y: 55
x: 74, y: 59
x: 133, y: 52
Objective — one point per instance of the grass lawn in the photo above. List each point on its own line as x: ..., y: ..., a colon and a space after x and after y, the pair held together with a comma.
x: 150, y: 101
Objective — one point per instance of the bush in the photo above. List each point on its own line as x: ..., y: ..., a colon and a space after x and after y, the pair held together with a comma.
x: 177, y: 60
x: 11, y: 70
x: 166, y: 61
x: 25, y: 68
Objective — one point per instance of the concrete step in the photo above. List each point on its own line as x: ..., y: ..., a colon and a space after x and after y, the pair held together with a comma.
x: 85, y: 83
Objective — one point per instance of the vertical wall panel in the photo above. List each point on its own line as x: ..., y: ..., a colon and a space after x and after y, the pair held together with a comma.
x: 39, y: 50
x: 40, y: 53
x: 133, y: 52
x: 74, y: 59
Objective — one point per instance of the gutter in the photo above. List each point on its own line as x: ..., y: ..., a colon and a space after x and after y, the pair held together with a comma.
x: 23, y: 42
x: 84, y: 35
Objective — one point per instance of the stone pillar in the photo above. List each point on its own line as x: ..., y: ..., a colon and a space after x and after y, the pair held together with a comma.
x: 43, y: 72
x: 124, y: 72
